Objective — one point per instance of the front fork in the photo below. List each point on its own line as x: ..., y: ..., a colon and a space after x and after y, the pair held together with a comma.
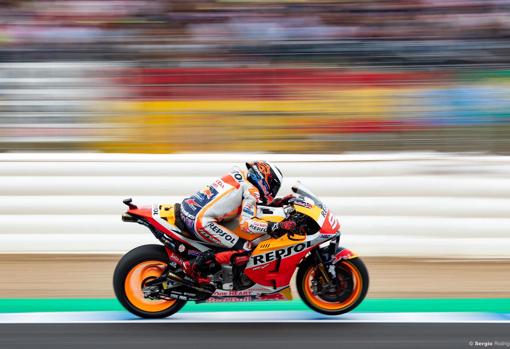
x: 326, y: 259
x: 323, y: 258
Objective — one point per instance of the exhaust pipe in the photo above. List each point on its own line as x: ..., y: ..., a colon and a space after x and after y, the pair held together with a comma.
x: 126, y: 217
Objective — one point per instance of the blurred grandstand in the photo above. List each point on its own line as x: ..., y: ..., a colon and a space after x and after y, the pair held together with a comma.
x: 230, y: 75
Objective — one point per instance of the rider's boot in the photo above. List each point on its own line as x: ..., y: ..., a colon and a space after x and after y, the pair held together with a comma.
x: 203, y: 264
x: 208, y: 262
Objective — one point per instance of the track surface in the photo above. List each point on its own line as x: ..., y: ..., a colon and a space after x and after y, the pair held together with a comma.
x: 253, y: 335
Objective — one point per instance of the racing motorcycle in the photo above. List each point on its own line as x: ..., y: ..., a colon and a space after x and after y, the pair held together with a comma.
x: 150, y: 281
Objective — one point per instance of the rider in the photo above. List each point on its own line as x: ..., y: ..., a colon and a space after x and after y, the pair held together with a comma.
x: 235, y: 194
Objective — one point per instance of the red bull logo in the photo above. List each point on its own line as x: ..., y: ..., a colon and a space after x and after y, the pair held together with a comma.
x: 191, y: 202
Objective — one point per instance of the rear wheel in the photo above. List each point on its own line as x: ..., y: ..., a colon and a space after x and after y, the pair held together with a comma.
x: 133, y: 271
x: 349, y: 289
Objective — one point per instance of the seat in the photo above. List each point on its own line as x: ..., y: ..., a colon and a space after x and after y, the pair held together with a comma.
x: 180, y: 224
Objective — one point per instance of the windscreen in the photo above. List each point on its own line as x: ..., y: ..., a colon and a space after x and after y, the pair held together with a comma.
x: 300, y: 189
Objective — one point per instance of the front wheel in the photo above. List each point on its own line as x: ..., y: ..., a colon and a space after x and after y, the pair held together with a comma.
x: 134, y: 269
x: 347, y: 292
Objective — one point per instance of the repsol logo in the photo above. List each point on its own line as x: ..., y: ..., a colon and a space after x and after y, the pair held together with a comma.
x: 219, y: 232
x: 281, y: 253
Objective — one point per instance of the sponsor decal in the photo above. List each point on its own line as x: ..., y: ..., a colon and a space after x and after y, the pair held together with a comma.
x: 155, y: 210
x: 219, y: 184
x: 280, y: 253
x: 260, y: 267
x: 174, y: 258
x: 213, y: 299
x: 220, y: 232
x: 208, y: 193
x: 191, y: 202
x: 272, y: 297
x: 232, y: 293
x: 258, y: 227
x: 303, y: 203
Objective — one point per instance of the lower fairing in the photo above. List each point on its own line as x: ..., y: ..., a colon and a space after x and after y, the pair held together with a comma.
x: 252, y: 294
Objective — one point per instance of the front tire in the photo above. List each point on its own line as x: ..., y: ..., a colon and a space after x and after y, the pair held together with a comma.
x: 134, y: 268
x: 353, y: 286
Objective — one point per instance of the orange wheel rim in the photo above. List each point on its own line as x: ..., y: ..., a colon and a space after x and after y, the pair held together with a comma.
x: 333, y: 306
x: 134, y: 283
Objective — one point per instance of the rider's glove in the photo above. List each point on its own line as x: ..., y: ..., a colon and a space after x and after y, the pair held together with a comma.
x: 273, y: 228
x: 282, y: 201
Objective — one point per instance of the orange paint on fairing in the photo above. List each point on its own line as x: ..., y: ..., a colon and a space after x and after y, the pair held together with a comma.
x: 244, y: 235
x: 270, y: 274
x: 275, y: 244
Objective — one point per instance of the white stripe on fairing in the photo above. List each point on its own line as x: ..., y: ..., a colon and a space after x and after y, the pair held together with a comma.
x: 255, y: 317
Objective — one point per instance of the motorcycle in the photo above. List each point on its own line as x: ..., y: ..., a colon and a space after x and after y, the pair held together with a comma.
x: 150, y: 281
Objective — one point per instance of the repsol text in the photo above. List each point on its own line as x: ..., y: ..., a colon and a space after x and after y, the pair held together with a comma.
x: 281, y: 253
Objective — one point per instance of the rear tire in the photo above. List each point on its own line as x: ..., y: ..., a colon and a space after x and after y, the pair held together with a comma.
x: 136, y: 266
x: 351, y: 300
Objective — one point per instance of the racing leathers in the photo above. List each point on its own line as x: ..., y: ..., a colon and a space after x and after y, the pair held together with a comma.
x: 228, y: 197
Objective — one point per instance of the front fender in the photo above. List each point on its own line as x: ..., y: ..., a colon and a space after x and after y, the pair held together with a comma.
x: 343, y: 253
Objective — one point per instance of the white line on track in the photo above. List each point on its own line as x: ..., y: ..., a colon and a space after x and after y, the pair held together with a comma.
x: 254, y: 317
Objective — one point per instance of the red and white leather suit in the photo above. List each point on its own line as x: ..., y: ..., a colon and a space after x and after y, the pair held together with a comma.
x: 225, y: 199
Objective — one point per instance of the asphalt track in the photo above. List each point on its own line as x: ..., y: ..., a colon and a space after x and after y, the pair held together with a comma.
x: 247, y: 330
x: 255, y: 335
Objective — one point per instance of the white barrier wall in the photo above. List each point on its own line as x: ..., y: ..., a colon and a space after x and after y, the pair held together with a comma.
x: 437, y: 205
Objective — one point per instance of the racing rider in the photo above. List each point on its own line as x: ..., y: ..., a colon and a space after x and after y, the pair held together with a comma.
x: 235, y: 194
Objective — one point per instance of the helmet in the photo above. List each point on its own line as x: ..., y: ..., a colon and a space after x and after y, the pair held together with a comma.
x: 266, y: 177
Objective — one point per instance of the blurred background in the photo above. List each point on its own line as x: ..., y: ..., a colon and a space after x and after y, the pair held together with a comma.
x: 396, y: 112
x: 167, y: 76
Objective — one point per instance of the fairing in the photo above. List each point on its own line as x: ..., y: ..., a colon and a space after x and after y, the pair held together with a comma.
x: 274, y: 261
x: 308, y: 204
